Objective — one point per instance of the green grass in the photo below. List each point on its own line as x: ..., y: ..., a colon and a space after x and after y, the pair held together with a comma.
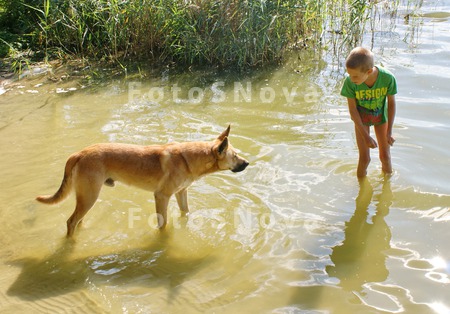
x: 223, y: 33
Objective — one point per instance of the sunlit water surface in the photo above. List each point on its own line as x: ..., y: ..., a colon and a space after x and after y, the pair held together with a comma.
x: 294, y: 233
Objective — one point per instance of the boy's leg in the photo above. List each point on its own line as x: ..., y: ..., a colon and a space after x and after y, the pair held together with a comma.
x: 364, y: 154
x: 384, y: 147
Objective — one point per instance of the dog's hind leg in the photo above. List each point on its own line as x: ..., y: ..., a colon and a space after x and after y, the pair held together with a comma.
x: 86, y: 195
x: 182, y: 201
x: 161, y: 203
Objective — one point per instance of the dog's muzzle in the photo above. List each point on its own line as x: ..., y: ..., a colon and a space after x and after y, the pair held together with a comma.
x: 240, y: 167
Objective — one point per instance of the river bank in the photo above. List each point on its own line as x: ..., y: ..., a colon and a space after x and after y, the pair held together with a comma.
x: 231, y: 34
x: 79, y: 73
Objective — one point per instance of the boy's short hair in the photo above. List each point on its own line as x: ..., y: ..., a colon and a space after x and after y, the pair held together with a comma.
x: 360, y: 58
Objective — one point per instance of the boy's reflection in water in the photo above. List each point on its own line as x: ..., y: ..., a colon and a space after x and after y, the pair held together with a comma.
x: 361, y: 257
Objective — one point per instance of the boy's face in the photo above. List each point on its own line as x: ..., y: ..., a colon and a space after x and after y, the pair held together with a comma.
x: 357, y: 76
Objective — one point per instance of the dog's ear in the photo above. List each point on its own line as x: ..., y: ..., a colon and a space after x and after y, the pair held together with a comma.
x: 224, y: 133
x: 222, y: 147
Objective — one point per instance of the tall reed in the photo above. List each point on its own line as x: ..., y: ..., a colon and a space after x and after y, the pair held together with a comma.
x: 238, y: 33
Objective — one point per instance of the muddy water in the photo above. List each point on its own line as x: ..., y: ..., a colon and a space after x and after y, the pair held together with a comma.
x: 294, y: 233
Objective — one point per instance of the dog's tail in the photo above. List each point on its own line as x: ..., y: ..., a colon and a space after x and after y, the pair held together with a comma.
x: 66, y: 184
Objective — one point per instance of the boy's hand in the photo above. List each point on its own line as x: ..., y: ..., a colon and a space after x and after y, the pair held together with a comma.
x: 371, y: 143
x: 390, y: 140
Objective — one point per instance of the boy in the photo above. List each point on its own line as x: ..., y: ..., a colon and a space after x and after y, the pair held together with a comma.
x: 370, y: 92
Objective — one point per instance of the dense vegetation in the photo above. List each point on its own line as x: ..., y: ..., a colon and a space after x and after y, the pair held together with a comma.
x: 237, y: 33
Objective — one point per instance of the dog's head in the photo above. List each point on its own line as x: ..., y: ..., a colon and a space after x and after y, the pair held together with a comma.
x: 227, y: 157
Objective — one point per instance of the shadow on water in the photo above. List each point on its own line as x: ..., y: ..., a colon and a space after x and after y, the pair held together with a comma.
x: 361, y: 257
x: 59, y: 274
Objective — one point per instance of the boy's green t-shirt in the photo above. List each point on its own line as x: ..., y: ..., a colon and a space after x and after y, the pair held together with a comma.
x: 372, y: 99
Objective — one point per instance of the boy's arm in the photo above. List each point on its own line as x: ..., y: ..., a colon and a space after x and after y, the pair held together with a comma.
x: 391, y: 117
x: 354, y: 115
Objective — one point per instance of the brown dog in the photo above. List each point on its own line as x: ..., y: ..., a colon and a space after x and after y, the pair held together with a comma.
x: 163, y: 169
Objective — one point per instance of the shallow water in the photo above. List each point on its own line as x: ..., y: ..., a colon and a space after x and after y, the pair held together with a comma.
x: 294, y: 233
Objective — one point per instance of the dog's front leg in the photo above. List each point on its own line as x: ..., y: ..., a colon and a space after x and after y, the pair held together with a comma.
x: 161, y: 202
x: 182, y: 201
